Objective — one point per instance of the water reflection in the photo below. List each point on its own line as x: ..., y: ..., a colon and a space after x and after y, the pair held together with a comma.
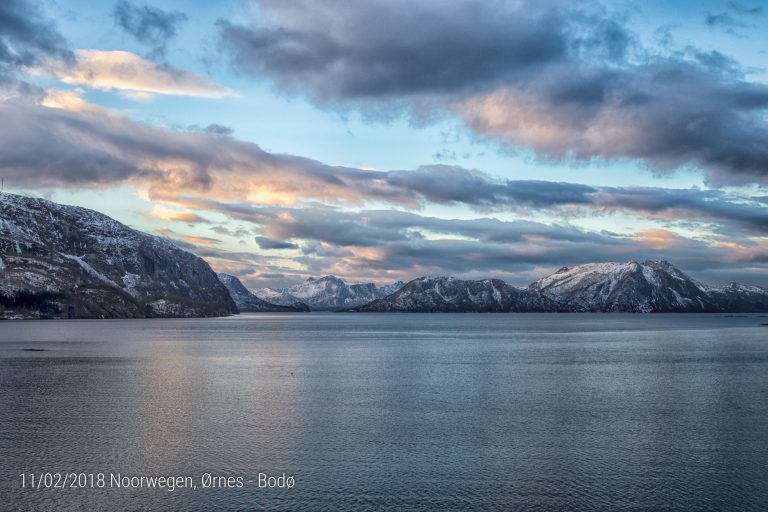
x: 394, y: 412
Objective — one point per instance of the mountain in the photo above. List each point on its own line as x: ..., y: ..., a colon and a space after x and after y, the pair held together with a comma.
x: 651, y: 286
x: 737, y: 298
x: 448, y: 294
x: 247, y: 302
x: 61, y: 261
x: 327, y: 293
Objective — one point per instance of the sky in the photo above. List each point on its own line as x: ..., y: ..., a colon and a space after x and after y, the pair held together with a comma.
x: 383, y: 140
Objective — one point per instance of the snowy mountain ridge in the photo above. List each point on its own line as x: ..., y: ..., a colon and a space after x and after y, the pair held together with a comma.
x: 327, y: 293
x: 632, y: 287
x: 450, y: 294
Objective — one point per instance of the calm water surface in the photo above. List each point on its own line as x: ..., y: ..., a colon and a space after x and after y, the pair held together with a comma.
x: 393, y: 412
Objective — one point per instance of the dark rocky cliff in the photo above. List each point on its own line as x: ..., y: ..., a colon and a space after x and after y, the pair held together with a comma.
x: 61, y: 261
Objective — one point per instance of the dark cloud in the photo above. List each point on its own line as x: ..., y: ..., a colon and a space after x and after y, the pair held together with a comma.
x: 374, y: 228
x: 236, y: 232
x: 218, y: 129
x: 149, y: 25
x: 213, y: 128
x: 745, y: 10
x: 451, y: 184
x: 343, y: 50
x: 668, y: 114
x: 744, y: 215
x: 717, y: 63
x: 567, y: 81
x: 731, y: 22
x: 26, y: 39
x: 723, y: 20
x: 737, y: 216
x: 271, y: 243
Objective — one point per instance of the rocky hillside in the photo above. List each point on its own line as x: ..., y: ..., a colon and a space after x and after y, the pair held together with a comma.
x: 739, y: 298
x: 247, y: 302
x: 61, y: 261
x: 327, y: 293
x: 651, y: 286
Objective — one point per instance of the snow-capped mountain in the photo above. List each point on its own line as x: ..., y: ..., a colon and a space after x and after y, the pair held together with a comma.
x: 448, y: 294
x: 651, y: 286
x: 631, y: 287
x: 67, y: 262
x: 327, y: 293
x: 247, y: 302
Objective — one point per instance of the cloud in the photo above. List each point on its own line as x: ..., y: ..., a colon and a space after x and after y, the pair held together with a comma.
x: 452, y: 184
x: 392, y: 48
x: 668, y: 115
x: 386, y: 245
x: 730, y: 22
x: 736, y: 215
x: 234, y: 232
x: 568, y: 82
x: 391, y: 244
x: 125, y: 71
x: 218, y: 129
x: 26, y: 39
x: 149, y: 25
x: 373, y: 228
x: 163, y: 213
x: 201, y: 240
x: 555, y: 71
x: 278, y: 196
x: 101, y: 149
x: 271, y: 243
x: 745, y: 10
x: 723, y: 20
x: 68, y: 100
x: 85, y: 146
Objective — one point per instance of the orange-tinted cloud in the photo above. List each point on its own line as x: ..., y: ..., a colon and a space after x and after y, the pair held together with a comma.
x: 137, y: 77
x: 166, y: 214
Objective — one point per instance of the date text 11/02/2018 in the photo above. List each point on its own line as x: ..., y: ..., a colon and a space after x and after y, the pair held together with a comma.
x: 73, y: 480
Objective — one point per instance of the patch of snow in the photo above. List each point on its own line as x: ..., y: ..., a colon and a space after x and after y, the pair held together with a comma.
x: 496, y: 293
x: 440, y: 294
x: 651, y: 276
x: 90, y: 270
x: 131, y: 281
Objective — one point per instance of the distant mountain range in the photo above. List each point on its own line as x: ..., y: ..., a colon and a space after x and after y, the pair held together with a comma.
x: 327, y: 293
x: 247, y: 302
x: 651, y: 286
x: 451, y: 295
x: 67, y: 262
